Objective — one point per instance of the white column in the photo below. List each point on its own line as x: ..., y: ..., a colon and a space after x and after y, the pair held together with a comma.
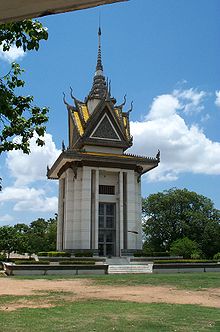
x: 69, y: 209
x: 131, y: 210
x: 76, y: 235
x: 120, y: 206
x: 138, y: 212
x: 60, y: 216
x: 86, y: 208
x: 96, y: 208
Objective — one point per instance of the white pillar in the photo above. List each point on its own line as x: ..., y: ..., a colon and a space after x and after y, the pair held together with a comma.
x: 86, y: 208
x: 60, y: 220
x: 96, y: 208
x: 121, y: 216
x: 138, y: 213
x: 69, y: 208
x: 131, y: 210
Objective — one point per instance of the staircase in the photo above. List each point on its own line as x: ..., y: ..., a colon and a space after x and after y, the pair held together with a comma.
x: 122, y: 265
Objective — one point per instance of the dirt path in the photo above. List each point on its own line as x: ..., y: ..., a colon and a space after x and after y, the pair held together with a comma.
x: 84, y: 289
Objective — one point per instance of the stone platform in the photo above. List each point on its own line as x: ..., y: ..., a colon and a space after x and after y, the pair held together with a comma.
x: 123, y: 265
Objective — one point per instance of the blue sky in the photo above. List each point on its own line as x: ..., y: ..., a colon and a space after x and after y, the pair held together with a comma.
x: 164, y: 54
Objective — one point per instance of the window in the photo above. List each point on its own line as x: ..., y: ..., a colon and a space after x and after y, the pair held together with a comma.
x: 106, y: 190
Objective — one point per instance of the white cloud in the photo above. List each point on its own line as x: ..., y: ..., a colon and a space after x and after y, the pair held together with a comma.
x: 13, y: 54
x: 29, y: 199
x: 184, y: 148
x: 190, y: 99
x: 164, y: 107
x: 217, y: 101
x: 29, y: 168
x: 6, y: 218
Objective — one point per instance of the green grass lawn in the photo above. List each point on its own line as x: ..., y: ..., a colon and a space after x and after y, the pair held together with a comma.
x: 99, y: 315
x: 178, y: 280
x: 66, y: 314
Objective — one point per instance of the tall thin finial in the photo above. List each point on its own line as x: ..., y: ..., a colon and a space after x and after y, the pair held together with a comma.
x: 99, y: 31
x: 99, y: 88
x: 99, y: 67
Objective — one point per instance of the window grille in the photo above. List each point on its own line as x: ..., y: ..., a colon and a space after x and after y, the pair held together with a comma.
x: 106, y: 190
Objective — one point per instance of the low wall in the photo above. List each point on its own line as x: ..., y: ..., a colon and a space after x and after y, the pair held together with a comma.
x: 12, y: 270
x: 186, y: 267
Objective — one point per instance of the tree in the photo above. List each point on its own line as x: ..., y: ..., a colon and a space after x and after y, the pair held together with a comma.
x: 174, y: 214
x: 18, y: 117
x: 185, y: 247
x: 23, y: 240
x: 52, y: 233
x: 8, y: 240
x: 40, y: 235
x: 210, y: 242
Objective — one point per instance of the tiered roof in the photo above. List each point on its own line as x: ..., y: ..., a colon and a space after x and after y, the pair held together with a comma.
x: 99, y: 122
x: 83, y: 119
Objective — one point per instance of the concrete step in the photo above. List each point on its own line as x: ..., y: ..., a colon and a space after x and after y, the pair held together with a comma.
x: 122, y: 269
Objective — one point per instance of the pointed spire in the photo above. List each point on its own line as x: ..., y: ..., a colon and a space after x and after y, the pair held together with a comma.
x: 99, y: 88
x: 99, y: 67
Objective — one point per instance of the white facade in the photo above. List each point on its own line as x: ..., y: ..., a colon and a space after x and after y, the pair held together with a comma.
x: 78, y: 215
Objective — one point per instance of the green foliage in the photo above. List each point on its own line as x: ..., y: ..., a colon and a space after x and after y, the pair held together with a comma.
x: 25, y: 34
x: 143, y: 253
x: 8, y: 240
x: 174, y: 214
x: 184, y: 247
x: 76, y: 262
x: 171, y: 261
x: 217, y: 256
x: 42, y: 235
x: 2, y: 257
x: 196, y: 254
x: 31, y: 262
x: 22, y: 238
x: 54, y: 254
x: 43, y: 253
x: 84, y: 254
x: 18, y: 117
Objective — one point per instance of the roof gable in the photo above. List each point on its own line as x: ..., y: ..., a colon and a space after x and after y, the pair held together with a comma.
x: 105, y: 130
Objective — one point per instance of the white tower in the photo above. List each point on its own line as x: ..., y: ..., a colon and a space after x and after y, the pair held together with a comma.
x: 99, y: 184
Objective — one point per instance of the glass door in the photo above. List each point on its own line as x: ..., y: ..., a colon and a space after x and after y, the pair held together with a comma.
x: 107, y: 229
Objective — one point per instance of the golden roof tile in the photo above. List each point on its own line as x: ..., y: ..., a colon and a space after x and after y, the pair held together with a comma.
x: 78, y: 123
x: 85, y: 112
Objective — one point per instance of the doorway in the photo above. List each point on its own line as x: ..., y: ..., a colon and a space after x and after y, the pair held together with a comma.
x: 107, y: 229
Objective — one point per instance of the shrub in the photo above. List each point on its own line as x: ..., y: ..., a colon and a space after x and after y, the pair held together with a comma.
x: 171, y: 261
x: 196, y: 255
x: 83, y: 254
x: 76, y: 262
x: 217, y: 256
x: 30, y: 259
x: 54, y: 254
x: 2, y: 257
x: 142, y: 253
x: 25, y: 262
x: 184, y: 247
x: 43, y: 253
